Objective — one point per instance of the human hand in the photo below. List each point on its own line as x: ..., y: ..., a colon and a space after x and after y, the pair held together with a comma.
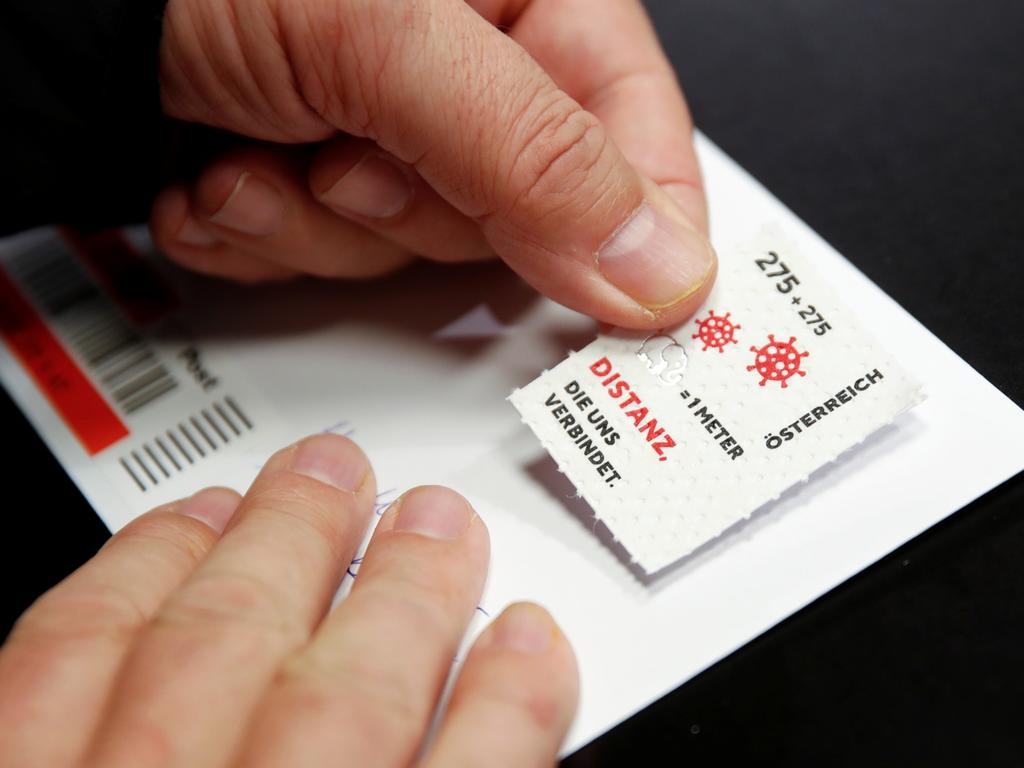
x: 201, y: 635
x: 550, y: 132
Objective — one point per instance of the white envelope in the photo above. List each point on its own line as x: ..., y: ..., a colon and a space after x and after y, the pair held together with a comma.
x: 417, y: 369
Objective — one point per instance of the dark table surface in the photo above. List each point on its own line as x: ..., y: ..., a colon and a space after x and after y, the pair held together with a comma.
x: 895, y: 129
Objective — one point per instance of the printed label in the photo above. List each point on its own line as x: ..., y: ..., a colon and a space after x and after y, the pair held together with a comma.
x: 91, y: 322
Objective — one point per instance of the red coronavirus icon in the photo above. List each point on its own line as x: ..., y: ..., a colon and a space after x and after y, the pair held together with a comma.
x: 716, y: 331
x: 777, y: 360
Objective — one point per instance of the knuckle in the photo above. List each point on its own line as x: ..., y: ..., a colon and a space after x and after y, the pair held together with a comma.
x: 389, y: 701
x: 540, y: 707
x: 99, y: 612
x: 505, y: 685
x: 433, y: 608
x: 167, y: 535
x: 561, y: 147
x: 384, y: 703
x: 307, y: 504
x: 319, y: 32
x: 227, y: 598
x: 342, y: 59
x: 437, y: 596
x: 214, y: 69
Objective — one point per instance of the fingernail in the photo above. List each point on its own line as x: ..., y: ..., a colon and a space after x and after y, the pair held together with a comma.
x: 655, y: 258
x: 191, y: 233
x: 373, y: 188
x: 524, y: 627
x: 213, y: 506
x: 254, y: 207
x: 332, y: 460
x: 434, y: 511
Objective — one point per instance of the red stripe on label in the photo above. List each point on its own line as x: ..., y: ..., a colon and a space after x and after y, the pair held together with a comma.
x: 127, y: 275
x: 86, y: 413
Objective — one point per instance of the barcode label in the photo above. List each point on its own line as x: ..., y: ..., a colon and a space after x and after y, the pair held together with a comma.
x: 185, y: 443
x: 160, y: 408
x: 124, y: 365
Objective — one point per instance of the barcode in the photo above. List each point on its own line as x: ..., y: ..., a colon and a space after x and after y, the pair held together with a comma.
x: 185, y: 443
x: 122, y: 362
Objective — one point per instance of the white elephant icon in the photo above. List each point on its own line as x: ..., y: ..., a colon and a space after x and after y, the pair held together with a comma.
x: 664, y: 357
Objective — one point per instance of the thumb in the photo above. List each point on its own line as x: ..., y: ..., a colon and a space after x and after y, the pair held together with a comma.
x: 442, y: 89
x: 438, y: 86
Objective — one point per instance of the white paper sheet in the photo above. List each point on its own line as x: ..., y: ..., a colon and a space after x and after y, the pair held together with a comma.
x: 417, y: 369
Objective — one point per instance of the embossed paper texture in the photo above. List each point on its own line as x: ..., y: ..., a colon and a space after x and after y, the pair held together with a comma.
x: 674, y: 436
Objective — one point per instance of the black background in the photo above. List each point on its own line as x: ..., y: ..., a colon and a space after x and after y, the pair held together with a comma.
x: 896, y: 130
